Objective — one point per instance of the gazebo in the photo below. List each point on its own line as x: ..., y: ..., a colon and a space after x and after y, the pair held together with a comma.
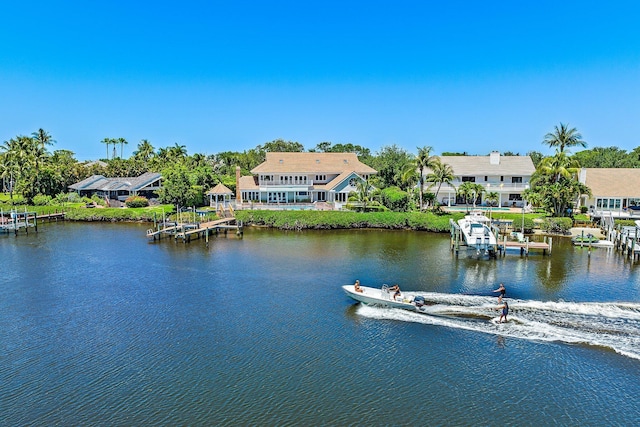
x: 220, y: 194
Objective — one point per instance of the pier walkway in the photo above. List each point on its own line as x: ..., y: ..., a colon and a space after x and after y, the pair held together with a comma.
x: 187, y: 231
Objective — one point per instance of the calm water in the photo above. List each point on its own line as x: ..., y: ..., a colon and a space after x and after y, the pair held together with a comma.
x: 99, y: 326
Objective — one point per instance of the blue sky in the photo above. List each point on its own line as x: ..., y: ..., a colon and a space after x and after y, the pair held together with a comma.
x: 216, y: 76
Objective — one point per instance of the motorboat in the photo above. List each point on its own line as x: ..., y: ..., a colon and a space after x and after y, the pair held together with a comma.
x: 476, y: 232
x: 384, y: 297
x: 591, y: 240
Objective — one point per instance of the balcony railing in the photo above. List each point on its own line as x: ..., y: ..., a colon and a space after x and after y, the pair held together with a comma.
x: 499, y: 188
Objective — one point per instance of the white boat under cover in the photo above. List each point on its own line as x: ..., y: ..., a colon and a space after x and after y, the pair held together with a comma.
x: 476, y: 231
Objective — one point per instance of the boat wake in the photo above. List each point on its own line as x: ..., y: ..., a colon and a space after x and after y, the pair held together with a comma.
x: 611, y: 325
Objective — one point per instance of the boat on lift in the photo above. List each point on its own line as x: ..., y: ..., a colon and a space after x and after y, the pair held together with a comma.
x: 477, y: 234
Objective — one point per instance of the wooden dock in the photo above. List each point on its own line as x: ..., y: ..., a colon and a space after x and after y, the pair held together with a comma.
x: 525, y: 247
x: 187, y: 231
x: 625, y: 239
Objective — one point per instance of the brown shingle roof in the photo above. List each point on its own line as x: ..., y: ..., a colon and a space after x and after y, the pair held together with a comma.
x: 220, y: 189
x: 312, y: 163
x: 613, y: 182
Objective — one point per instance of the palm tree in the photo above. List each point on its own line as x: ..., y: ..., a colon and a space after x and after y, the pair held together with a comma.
x: 557, y: 166
x: 122, y: 143
x: 563, y: 137
x: 362, y: 193
x: 491, y: 198
x: 107, y: 142
x: 441, y: 173
x: 424, y: 160
x: 477, y: 191
x: 466, y: 190
x: 42, y: 138
x: 177, y: 152
x: 145, y: 150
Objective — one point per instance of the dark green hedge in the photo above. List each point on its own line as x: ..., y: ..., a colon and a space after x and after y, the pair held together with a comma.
x: 298, y: 220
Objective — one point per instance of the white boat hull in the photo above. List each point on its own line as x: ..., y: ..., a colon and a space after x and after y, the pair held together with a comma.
x: 375, y: 296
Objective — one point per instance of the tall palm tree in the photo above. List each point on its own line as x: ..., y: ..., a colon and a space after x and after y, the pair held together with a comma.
x: 122, y: 143
x: 563, y: 137
x: 423, y: 161
x: 441, y: 173
x: 107, y: 142
x: 43, y: 138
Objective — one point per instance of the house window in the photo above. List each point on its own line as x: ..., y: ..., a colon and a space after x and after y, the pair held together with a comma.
x: 468, y: 179
x: 501, y: 178
x: 516, y: 180
x: 606, y: 203
x: 322, y: 196
x: 485, y: 178
x: 341, y: 197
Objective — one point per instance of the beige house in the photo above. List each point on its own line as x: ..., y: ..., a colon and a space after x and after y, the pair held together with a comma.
x: 302, y: 178
x: 508, y: 176
x: 613, y: 189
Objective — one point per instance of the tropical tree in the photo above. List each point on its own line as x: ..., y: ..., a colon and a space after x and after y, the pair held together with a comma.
x: 362, y: 193
x: 391, y: 162
x: 466, y: 190
x: 177, y: 152
x: 562, y: 137
x: 145, y: 151
x: 107, y: 142
x: 492, y: 197
x: 122, y: 143
x: 556, y: 184
x: 423, y: 161
x: 441, y: 173
x: 557, y: 166
x: 280, y: 146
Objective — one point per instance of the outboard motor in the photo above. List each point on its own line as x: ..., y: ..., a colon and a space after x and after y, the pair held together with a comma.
x: 418, y: 301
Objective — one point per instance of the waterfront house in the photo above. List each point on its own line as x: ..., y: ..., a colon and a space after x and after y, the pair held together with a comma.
x: 508, y: 176
x: 119, y: 189
x: 613, y: 190
x: 302, y: 179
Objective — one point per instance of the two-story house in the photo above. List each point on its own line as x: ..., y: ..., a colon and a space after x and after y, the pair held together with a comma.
x: 508, y: 176
x: 302, y: 178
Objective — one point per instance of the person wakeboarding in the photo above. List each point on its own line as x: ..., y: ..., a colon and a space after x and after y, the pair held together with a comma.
x: 502, y: 291
x: 505, y: 311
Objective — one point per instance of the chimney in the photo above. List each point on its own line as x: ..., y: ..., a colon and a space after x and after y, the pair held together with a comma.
x: 494, y: 158
x: 238, y: 192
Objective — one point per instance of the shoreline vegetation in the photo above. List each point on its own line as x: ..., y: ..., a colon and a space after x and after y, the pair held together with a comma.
x: 306, y: 220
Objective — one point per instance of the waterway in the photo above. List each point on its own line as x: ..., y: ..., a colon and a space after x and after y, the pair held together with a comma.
x: 99, y: 326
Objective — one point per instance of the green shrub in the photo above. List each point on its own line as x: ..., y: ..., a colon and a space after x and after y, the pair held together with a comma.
x: 584, y: 209
x: 136, y: 202
x: 395, y: 199
x: 41, y: 200
x: 557, y: 225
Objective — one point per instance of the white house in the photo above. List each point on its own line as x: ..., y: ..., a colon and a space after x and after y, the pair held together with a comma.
x: 508, y: 176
